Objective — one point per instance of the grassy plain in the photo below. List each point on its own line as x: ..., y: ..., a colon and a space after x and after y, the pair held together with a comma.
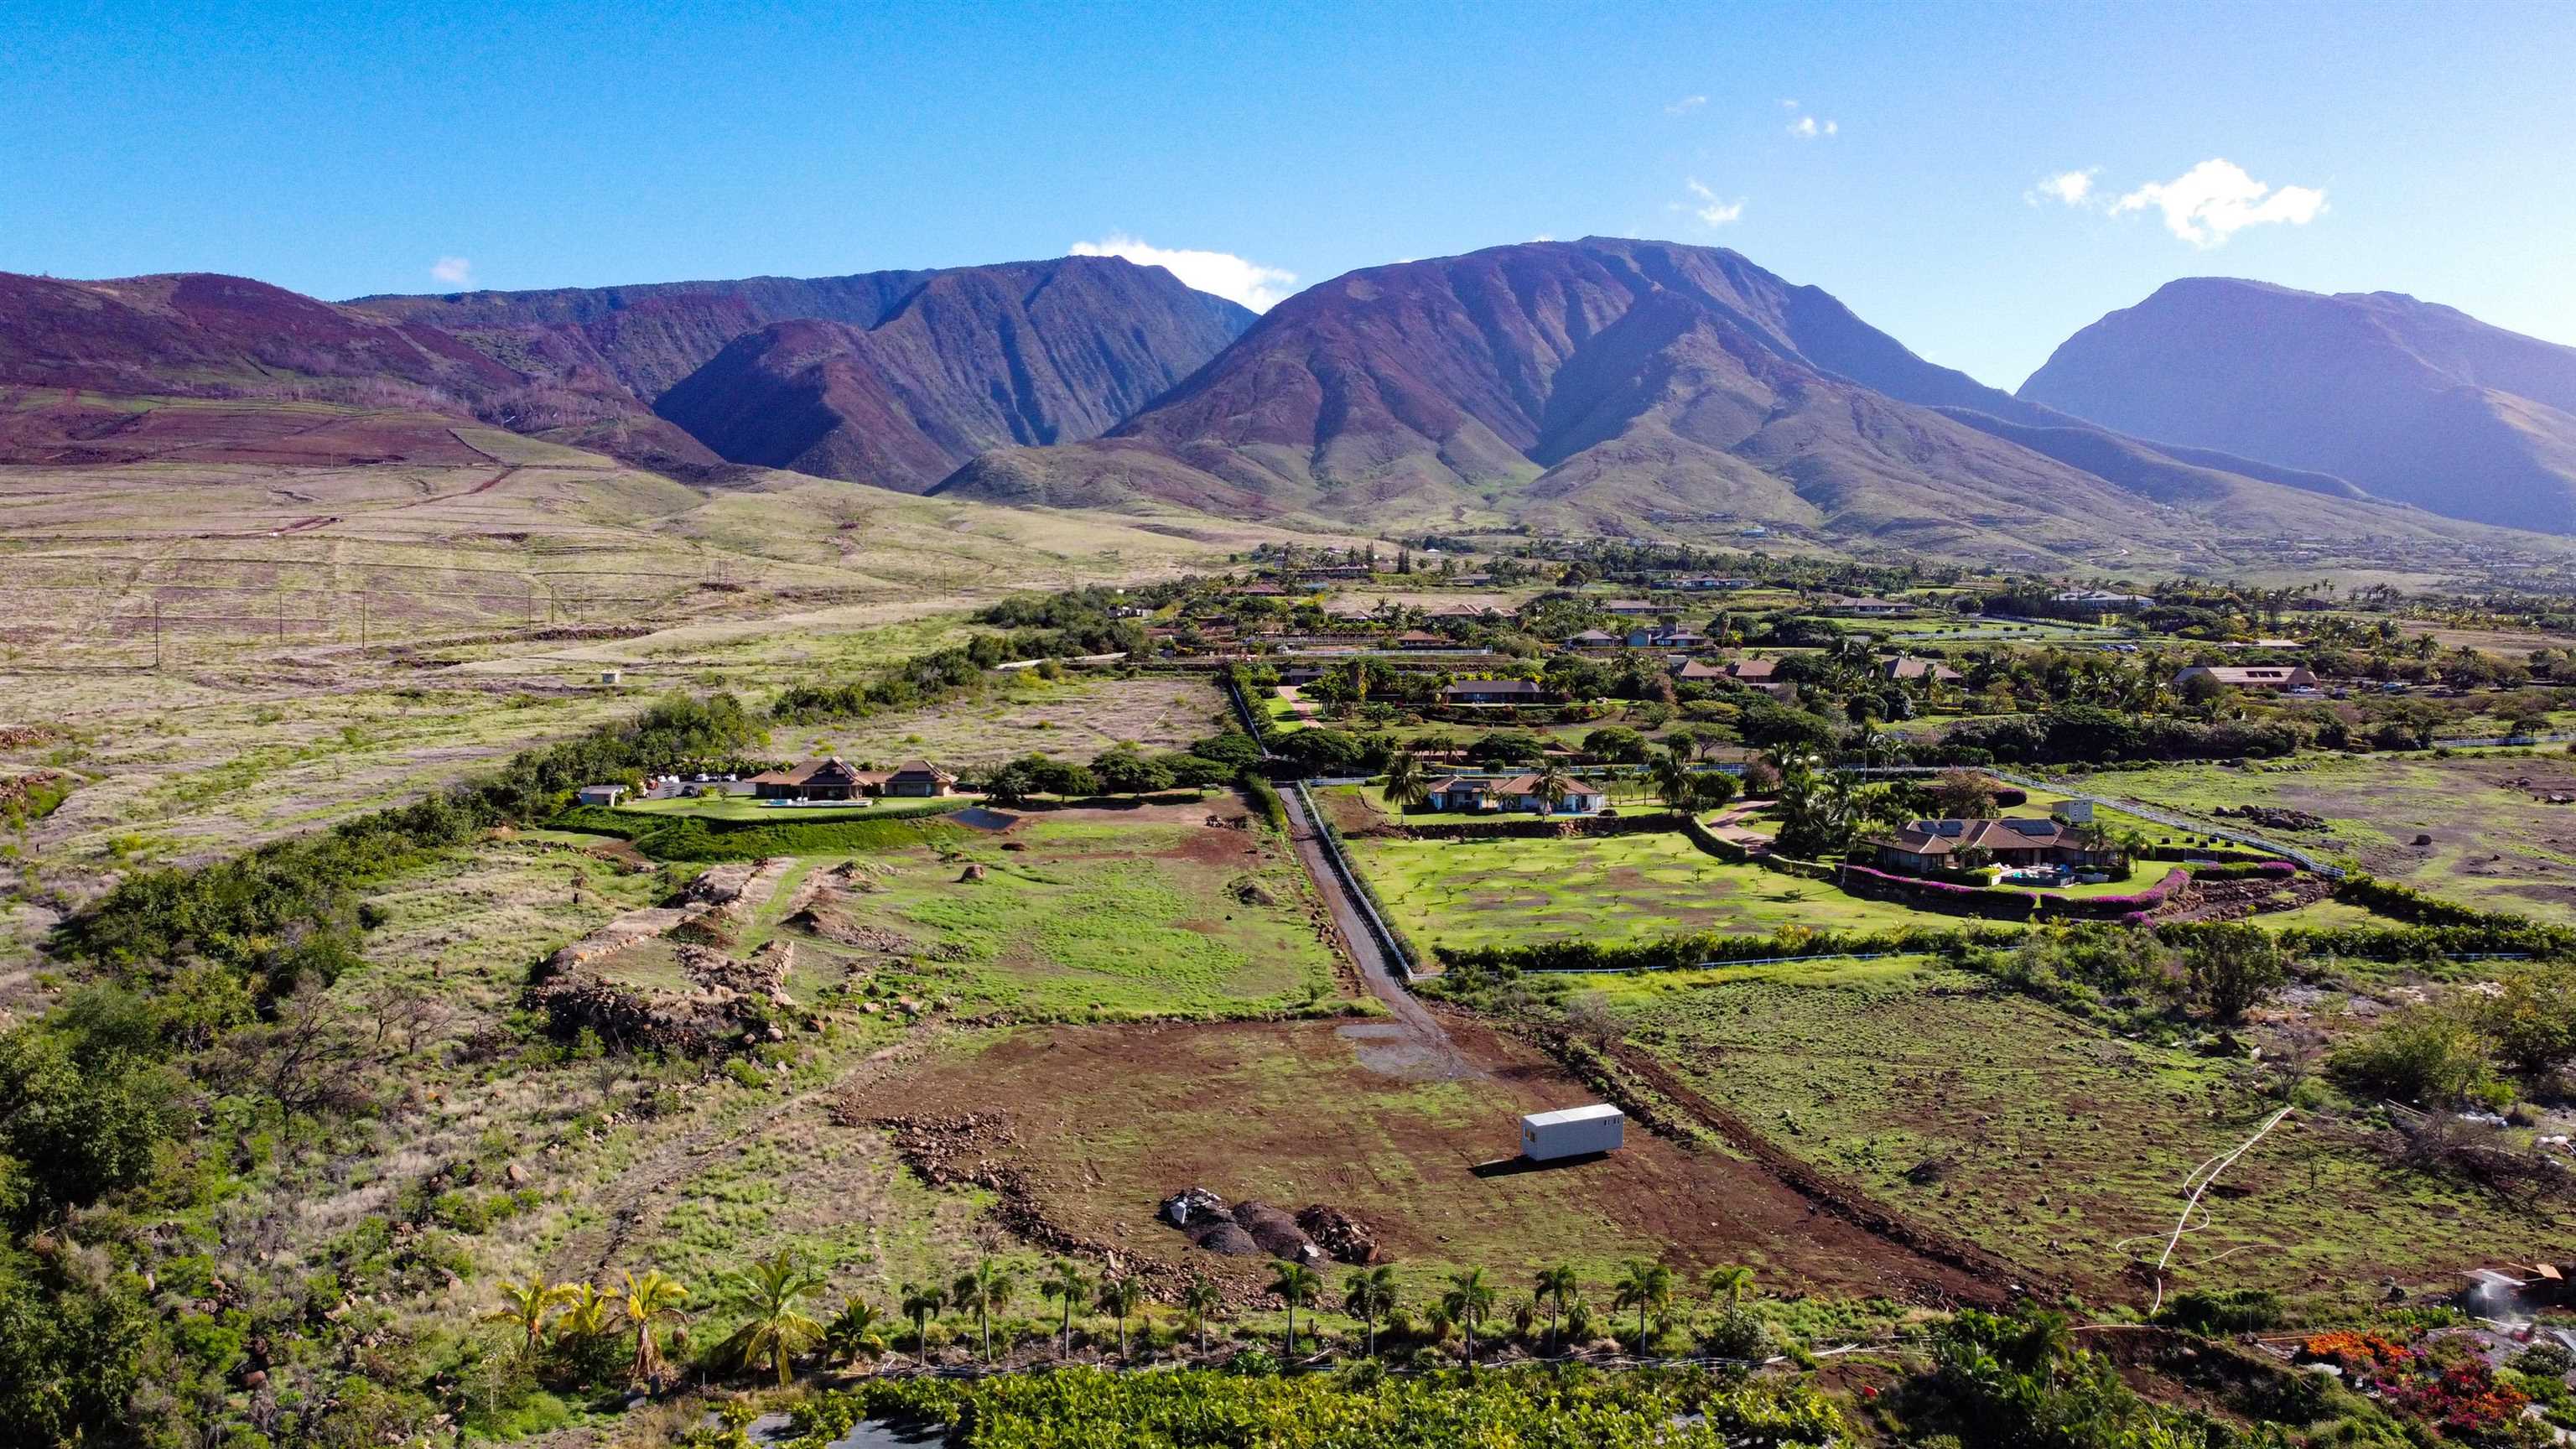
x: 2489, y: 841
x: 1615, y: 888
x: 2051, y: 1142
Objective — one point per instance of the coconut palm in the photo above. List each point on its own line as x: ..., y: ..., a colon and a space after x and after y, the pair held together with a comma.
x: 1734, y: 1280
x: 1118, y: 1298
x: 856, y: 1332
x: 1552, y: 786
x: 1469, y: 1302
x: 1201, y: 1301
x: 1068, y: 1282
x: 529, y: 1306
x: 919, y: 1303
x: 1557, y: 1285
x: 1676, y: 784
x: 1408, y: 787
x: 1298, y: 1287
x: 1646, y: 1287
x: 986, y: 1288
x: 774, y: 1291
x: 1368, y: 1295
x: 645, y: 1301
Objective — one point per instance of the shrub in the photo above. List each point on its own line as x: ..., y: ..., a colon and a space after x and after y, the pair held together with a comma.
x: 2430, y: 1055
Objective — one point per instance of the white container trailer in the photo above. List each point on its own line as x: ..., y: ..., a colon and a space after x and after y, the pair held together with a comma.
x: 1573, y: 1132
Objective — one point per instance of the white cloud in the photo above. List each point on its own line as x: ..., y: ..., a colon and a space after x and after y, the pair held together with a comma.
x: 454, y: 271
x: 1223, y: 273
x: 1685, y: 105
x: 2216, y: 199
x: 1712, y: 209
x: 2067, y: 188
x: 1809, y: 128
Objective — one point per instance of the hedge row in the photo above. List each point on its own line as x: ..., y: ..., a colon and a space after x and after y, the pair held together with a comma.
x: 694, y: 840
x: 1550, y: 828
x: 1708, y: 947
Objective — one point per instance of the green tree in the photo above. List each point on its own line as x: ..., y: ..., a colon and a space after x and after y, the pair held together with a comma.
x: 985, y: 1290
x: 529, y: 1305
x: 1201, y: 1301
x: 1552, y: 786
x: 1733, y: 1280
x: 645, y: 1302
x: 1068, y: 1282
x: 919, y: 1303
x: 1557, y: 1285
x: 856, y: 1332
x: 2233, y: 966
x: 1369, y: 1294
x: 1118, y: 1297
x: 1645, y: 1286
x: 1296, y: 1285
x: 1408, y: 787
x: 773, y: 1292
x: 1469, y: 1301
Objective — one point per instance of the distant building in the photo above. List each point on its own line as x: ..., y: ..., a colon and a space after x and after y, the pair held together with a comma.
x: 1932, y: 847
x: 2265, y: 677
x: 1645, y: 607
x: 1710, y: 584
x: 1492, y: 691
x: 2099, y: 601
x: 1693, y: 671
x: 1423, y: 639
x: 1904, y: 668
x: 1517, y: 794
x: 828, y: 779
x: 917, y: 779
x: 599, y: 794
x: 1862, y: 606
x: 1593, y: 639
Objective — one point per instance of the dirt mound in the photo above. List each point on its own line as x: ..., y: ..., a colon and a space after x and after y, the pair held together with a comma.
x: 826, y: 918
x: 1276, y: 1231
x: 1228, y: 1238
x: 1345, y: 1237
x: 2272, y: 817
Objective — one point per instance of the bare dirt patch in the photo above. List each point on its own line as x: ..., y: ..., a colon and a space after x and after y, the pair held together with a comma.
x: 1108, y: 1121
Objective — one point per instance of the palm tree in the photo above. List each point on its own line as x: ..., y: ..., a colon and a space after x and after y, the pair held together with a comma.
x: 919, y: 1303
x: 529, y: 1305
x: 774, y: 1290
x: 646, y: 1301
x: 985, y: 1288
x: 1556, y: 1284
x: 1201, y: 1301
x: 1552, y: 786
x: 1646, y: 1287
x: 1469, y: 1301
x: 587, y: 1312
x: 855, y: 1332
x: 1367, y: 1295
x: 1068, y: 1282
x: 1673, y: 778
x: 1297, y: 1286
x: 1118, y: 1297
x: 1407, y: 786
x: 1732, y: 1279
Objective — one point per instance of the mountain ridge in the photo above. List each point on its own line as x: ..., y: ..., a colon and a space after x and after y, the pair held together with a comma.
x: 2411, y: 400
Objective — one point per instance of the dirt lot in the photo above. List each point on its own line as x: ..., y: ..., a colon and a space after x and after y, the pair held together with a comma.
x: 1109, y: 1120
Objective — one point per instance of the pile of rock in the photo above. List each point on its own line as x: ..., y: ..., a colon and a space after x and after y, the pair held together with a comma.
x: 1254, y: 1228
x: 2272, y: 817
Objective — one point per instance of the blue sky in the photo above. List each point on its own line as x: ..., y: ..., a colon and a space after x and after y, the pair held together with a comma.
x: 341, y: 150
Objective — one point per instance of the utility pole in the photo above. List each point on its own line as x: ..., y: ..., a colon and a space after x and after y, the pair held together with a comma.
x: 156, y: 635
x: 362, y: 621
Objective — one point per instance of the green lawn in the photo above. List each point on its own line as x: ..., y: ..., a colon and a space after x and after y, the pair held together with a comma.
x: 1617, y: 888
x: 1095, y: 921
x: 2052, y: 1142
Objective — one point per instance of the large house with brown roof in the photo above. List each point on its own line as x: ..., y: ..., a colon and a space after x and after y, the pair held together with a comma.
x: 1492, y: 691
x: 1905, y: 668
x: 836, y: 779
x: 1490, y: 795
x: 2251, y: 676
x: 1936, y: 847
